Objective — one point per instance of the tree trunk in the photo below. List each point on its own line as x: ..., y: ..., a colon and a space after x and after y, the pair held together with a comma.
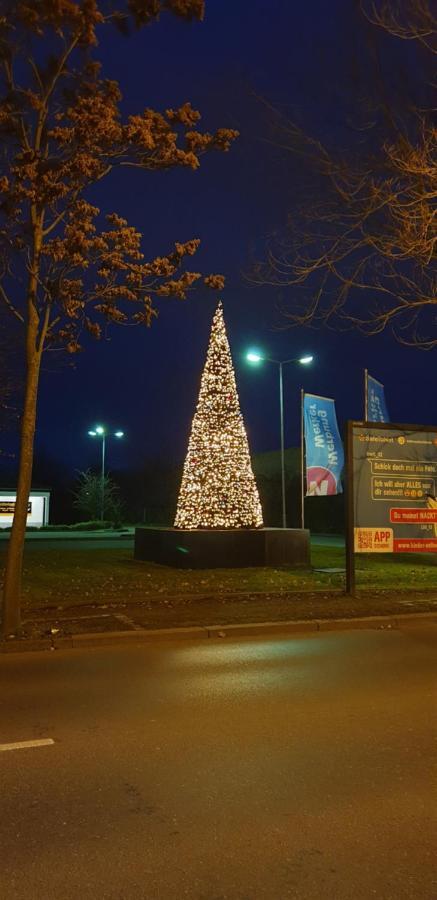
x: 11, y: 617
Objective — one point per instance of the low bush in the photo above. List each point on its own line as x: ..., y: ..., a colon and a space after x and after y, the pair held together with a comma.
x: 52, y: 528
x: 77, y: 526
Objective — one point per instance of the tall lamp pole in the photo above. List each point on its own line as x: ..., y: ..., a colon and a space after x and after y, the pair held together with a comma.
x: 255, y: 357
x: 101, y: 432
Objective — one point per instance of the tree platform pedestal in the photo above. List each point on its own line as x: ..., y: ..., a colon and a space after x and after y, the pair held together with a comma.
x: 230, y: 548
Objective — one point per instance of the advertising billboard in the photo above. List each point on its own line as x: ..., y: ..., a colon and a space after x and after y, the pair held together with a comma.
x: 37, y: 508
x: 394, y: 488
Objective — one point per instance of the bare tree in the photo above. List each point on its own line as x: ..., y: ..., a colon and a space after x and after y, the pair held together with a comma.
x: 359, y: 248
x: 410, y: 20
x: 94, y: 495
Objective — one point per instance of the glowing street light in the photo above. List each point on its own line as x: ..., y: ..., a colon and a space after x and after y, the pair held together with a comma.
x: 255, y: 357
x: 101, y: 432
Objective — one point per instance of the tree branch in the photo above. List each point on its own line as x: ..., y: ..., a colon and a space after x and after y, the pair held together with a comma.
x: 10, y: 305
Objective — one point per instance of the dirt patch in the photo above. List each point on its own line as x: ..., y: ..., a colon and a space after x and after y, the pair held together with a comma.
x: 236, y: 608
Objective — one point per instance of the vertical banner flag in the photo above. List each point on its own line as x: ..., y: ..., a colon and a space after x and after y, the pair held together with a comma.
x: 376, y: 405
x: 323, y: 445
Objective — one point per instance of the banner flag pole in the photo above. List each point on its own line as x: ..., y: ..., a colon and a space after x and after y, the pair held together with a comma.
x: 302, y: 461
x: 366, y: 394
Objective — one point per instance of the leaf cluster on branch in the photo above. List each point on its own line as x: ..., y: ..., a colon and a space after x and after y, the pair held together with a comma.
x: 62, y: 130
x: 65, y: 270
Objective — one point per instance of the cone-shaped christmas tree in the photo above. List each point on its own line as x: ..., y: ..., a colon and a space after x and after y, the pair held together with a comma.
x: 218, y: 487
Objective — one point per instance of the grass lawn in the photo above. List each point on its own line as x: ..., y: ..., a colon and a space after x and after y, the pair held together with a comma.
x: 70, y: 577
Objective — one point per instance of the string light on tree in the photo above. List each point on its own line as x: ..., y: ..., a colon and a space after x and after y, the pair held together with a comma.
x: 218, y: 487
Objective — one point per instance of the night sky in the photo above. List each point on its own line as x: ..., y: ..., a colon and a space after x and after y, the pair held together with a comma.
x: 146, y: 381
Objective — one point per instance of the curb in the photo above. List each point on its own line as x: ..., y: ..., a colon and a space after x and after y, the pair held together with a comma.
x: 74, y: 536
x: 248, y: 629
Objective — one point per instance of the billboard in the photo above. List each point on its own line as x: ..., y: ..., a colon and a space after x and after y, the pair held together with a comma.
x: 394, y: 487
x: 37, y: 508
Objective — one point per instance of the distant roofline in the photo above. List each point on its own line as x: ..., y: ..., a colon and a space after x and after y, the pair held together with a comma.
x: 13, y: 490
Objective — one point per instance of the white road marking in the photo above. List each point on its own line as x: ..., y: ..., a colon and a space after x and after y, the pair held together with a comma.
x: 23, y: 745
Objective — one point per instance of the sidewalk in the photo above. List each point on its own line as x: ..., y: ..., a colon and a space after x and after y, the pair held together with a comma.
x: 235, y: 614
x: 74, y: 587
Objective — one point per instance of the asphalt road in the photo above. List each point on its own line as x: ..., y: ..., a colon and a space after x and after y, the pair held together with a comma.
x: 223, y: 770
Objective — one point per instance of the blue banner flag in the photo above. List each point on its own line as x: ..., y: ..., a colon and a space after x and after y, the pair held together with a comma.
x: 376, y: 405
x: 323, y: 447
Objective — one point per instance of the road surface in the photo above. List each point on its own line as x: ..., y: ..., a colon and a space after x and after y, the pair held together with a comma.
x: 223, y: 770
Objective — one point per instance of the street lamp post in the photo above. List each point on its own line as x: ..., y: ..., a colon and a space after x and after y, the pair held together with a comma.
x: 255, y: 357
x: 102, y: 433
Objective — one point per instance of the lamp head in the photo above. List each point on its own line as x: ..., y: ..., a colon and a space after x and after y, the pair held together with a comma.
x: 92, y: 433
x: 254, y: 357
x: 119, y: 434
x: 306, y: 360
x: 100, y: 429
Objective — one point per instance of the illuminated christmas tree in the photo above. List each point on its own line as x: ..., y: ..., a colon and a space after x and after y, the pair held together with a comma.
x: 218, y: 487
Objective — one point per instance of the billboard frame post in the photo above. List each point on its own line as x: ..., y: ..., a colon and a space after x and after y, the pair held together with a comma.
x: 349, y: 512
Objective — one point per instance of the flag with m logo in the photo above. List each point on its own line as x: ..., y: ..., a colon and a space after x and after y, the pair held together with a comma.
x: 324, y: 456
x: 375, y: 405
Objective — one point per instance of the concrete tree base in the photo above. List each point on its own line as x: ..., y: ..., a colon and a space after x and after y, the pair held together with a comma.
x: 232, y: 548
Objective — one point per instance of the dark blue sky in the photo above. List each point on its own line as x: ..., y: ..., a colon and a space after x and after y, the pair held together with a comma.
x: 146, y: 381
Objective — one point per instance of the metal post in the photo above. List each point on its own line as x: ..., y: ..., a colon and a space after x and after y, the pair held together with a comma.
x: 349, y: 513
x: 103, y: 477
x: 281, y: 408
x: 302, y: 461
x: 366, y: 395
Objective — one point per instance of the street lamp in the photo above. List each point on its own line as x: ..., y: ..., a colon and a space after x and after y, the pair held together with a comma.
x: 255, y: 357
x: 101, y: 432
